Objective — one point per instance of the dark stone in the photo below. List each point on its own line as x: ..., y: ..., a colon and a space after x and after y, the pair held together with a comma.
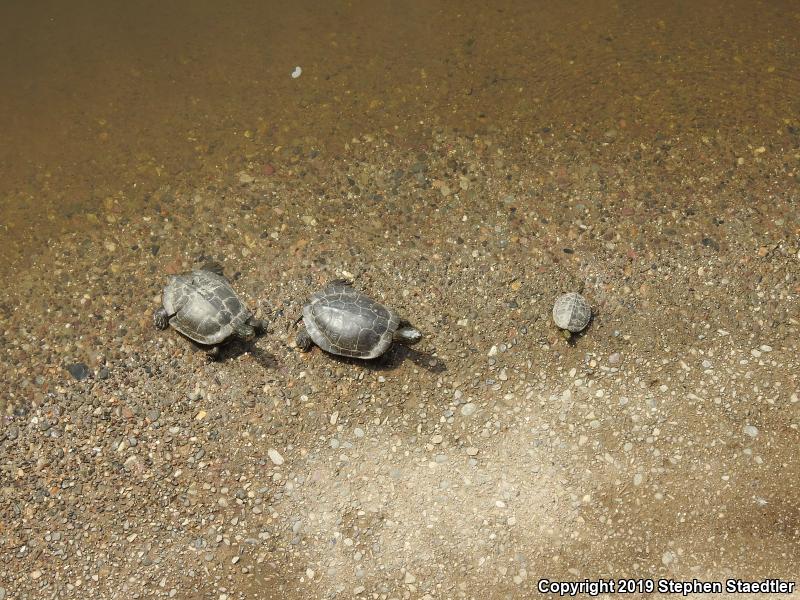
x: 79, y: 371
x: 710, y: 243
x: 103, y: 373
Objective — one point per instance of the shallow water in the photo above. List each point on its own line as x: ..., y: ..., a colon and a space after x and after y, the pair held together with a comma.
x: 464, y: 163
x: 105, y: 102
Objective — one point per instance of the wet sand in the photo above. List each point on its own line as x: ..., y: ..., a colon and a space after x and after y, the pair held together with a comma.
x: 106, y: 103
x: 662, y: 443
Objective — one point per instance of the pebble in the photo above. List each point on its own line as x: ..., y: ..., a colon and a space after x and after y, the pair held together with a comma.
x: 468, y: 409
x: 153, y: 414
x: 2, y: 593
x: 131, y: 462
x: 614, y: 359
x: 358, y: 432
x: 275, y: 456
x: 409, y: 578
x: 437, y: 439
x: 472, y: 451
x: 751, y: 430
x: 79, y: 371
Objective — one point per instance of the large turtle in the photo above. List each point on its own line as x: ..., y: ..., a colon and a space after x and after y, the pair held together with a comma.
x: 341, y: 320
x: 203, y: 306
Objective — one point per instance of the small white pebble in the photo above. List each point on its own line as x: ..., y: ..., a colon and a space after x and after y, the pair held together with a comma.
x: 275, y: 456
x: 297, y: 72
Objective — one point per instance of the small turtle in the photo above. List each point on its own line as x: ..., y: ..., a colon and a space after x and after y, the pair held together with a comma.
x: 341, y: 320
x: 203, y: 306
x: 571, y: 313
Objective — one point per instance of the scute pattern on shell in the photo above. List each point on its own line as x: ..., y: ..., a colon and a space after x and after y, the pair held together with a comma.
x: 206, y: 308
x: 572, y: 312
x: 342, y: 320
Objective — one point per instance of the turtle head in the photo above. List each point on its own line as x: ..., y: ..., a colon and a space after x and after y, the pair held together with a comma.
x: 406, y: 334
x: 245, y: 332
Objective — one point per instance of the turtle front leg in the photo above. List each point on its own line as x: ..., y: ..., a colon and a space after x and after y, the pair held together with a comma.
x: 339, y: 282
x: 161, y: 318
x: 304, y: 341
x: 213, y: 353
x: 260, y: 325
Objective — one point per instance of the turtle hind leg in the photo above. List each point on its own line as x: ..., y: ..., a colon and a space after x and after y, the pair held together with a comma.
x: 304, y: 341
x: 161, y: 318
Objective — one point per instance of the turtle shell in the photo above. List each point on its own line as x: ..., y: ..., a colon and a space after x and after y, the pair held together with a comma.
x: 572, y: 312
x: 342, y: 320
x: 204, y: 307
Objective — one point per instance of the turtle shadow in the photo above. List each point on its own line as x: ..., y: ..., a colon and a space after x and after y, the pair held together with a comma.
x: 234, y: 349
x: 393, y: 358
x: 577, y: 337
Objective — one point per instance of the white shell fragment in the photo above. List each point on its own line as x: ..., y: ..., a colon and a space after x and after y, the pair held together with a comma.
x: 297, y: 72
x: 572, y: 312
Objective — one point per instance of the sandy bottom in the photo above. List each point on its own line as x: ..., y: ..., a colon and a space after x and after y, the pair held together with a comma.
x: 662, y: 443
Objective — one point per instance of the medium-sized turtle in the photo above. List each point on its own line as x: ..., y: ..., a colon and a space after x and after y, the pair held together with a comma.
x: 571, y: 313
x: 341, y: 320
x: 203, y: 306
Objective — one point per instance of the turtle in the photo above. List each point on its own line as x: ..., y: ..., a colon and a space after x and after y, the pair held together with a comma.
x: 571, y: 313
x: 203, y: 306
x: 343, y: 321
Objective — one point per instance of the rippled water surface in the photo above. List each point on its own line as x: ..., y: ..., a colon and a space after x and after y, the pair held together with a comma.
x: 104, y: 102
